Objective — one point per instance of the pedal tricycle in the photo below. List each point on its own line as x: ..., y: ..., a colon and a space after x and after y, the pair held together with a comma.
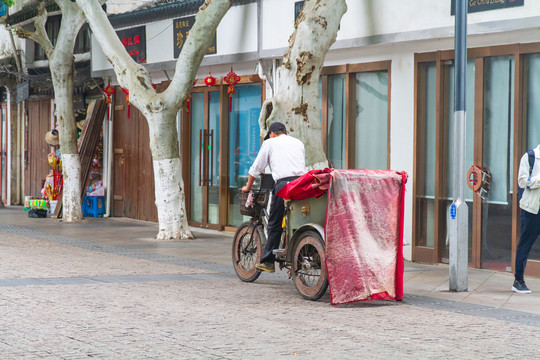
x: 301, y: 250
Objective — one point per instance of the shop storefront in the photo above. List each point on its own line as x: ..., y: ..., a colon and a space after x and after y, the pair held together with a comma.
x: 386, y: 93
x: 502, y: 83
x: 220, y: 145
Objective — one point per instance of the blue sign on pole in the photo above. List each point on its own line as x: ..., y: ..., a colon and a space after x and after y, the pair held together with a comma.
x: 3, y: 9
x: 453, y: 211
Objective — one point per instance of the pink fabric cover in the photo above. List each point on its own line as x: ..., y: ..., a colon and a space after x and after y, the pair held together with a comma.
x: 364, y: 235
x: 313, y: 184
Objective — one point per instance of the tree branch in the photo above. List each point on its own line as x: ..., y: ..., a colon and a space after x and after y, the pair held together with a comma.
x: 197, y: 43
x: 40, y: 34
x: 112, y: 46
x: 72, y: 21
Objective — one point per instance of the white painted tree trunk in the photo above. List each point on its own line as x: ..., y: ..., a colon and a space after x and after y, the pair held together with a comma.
x: 170, y: 198
x: 61, y: 66
x: 296, y: 100
x: 160, y: 109
x: 71, y: 201
x: 169, y: 185
x: 62, y: 77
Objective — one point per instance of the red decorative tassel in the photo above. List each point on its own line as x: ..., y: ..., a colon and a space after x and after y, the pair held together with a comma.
x: 127, y: 101
x: 109, y: 91
x: 232, y: 79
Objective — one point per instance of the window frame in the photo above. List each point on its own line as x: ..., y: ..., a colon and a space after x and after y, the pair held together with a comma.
x: 350, y: 71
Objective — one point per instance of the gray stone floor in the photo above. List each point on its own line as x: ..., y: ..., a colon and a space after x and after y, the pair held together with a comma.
x: 106, y: 289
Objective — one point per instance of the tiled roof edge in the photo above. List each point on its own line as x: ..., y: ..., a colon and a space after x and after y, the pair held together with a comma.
x: 161, y: 12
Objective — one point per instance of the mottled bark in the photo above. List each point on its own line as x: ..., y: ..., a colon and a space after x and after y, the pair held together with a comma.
x: 61, y: 65
x: 296, y: 101
x: 160, y: 109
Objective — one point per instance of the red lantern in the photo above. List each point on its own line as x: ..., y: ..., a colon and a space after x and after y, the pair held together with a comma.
x: 232, y: 79
x: 210, y: 80
x: 109, y: 91
x: 127, y: 101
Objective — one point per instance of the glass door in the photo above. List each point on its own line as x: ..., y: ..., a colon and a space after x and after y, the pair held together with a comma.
x: 497, y: 148
x: 204, y: 158
x: 244, y: 144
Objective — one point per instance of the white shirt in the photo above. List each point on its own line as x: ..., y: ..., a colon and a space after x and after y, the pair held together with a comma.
x: 284, y: 154
x: 530, y: 201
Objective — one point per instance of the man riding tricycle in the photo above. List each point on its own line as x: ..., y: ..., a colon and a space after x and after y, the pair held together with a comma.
x: 351, y: 237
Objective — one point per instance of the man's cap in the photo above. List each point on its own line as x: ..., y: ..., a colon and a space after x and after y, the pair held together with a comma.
x: 275, y: 126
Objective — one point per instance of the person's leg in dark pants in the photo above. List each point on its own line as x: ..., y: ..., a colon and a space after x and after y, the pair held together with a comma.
x: 275, y: 226
x: 530, y: 229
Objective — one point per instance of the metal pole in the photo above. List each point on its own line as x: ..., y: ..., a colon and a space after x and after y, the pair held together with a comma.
x: 459, y: 231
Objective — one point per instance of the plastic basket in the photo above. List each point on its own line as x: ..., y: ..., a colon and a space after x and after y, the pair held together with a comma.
x: 258, y: 205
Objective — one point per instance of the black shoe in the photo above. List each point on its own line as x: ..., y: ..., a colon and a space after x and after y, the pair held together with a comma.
x: 268, y: 267
x: 520, y: 287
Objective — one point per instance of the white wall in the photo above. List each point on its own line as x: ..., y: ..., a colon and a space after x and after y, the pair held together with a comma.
x: 236, y: 34
x: 391, y: 21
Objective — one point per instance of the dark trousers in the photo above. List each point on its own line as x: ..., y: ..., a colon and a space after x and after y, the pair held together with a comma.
x: 275, y: 221
x: 530, y: 229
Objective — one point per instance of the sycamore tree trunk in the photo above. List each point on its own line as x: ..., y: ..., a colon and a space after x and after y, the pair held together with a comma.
x: 62, y: 78
x: 61, y: 65
x: 160, y: 109
x: 169, y: 185
x: 296, y: 100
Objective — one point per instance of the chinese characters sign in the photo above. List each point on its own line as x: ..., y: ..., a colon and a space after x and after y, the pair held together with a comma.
x: 181, y: 31
x: 23, y: 92
x: 134, y: 40
x: 484, y: 5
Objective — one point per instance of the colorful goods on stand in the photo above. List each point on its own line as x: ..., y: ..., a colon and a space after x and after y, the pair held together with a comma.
x: 38, y: 204
x: 53, y: 183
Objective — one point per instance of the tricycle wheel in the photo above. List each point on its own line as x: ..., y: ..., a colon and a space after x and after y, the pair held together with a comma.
x: 246, y: 251
x: 308, y: 267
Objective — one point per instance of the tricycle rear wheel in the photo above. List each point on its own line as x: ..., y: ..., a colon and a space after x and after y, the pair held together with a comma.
x: 246, y: 251
x: 308, y: 267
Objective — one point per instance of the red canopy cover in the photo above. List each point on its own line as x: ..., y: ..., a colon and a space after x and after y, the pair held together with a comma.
x: 363, y: 230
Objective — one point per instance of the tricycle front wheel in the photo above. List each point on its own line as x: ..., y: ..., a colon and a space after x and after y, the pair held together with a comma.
x: 247, y: 250
x: 308, y: 267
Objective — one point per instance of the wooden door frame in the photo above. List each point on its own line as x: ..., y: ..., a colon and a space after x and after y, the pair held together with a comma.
x: 423, y: 252
x: 519, y: 51
x: 350, y: 71
x: 187, y: 141
x: 224, y: 179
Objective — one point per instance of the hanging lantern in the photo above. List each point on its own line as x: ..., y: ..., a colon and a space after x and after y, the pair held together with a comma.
x: 210, y: 80
x: 109, y: 91
x: 127, y: 101
x: 232, y: 79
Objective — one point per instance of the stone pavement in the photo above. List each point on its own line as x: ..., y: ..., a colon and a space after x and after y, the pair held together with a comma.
x: 106, y: 289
